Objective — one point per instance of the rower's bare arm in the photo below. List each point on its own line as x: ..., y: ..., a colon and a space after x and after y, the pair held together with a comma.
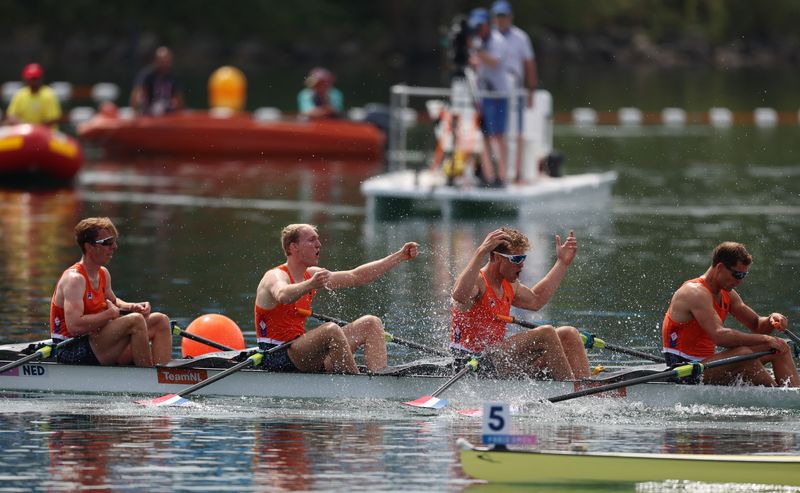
x: 275, y: 288
x: 142, y: 307
x: 78, y: 323
x: 700, y: 306
x: 366, y: 273
x: 542, y: 292
x: 468, y: 286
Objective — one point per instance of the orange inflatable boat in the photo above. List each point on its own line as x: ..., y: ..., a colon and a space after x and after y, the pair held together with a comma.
x: 37, y: 152
x: 202, y: 133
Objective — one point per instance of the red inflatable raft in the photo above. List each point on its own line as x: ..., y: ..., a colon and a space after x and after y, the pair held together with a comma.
x: 195, y: 133
x: 36, y: 151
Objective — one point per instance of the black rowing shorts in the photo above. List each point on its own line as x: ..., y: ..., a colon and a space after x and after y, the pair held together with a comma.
x: 77, y: 353
x: 278, y: 360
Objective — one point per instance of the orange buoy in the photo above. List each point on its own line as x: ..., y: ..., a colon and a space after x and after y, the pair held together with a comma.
x: 215, y: 327
x: 227, y: 88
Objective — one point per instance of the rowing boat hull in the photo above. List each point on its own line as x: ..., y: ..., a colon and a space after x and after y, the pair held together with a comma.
x: 54, y: 377
x: 520, y: 466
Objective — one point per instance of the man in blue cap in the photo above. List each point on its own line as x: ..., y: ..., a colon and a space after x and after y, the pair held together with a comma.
x: 489, y: 56
x: 521, y: 64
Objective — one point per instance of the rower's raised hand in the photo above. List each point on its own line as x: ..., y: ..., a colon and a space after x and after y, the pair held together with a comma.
x: 409, y: 251
x: 493, y: 240
x: 566, y: 252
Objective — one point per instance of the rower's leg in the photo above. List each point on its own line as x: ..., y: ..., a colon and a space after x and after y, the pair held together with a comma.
x: 367, y: 331
x: 324, y: 347
x: 576, y: 354
x: 752, y: 372
x: 160, y: 337
x: 782, y: 366
x: 122, y: 341
x: 533, y: 352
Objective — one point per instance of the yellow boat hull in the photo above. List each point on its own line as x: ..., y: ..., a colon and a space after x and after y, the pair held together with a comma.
x: 560, y: 467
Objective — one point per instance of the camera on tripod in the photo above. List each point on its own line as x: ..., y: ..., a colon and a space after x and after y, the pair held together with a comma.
x: 459, y: 36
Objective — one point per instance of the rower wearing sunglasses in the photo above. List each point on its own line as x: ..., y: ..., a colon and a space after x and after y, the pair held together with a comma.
x: 488, y: 289
x: 85, y: 307
x: 693, y: 327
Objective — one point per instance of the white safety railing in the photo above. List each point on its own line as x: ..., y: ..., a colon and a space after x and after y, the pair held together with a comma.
x: 537, y: 128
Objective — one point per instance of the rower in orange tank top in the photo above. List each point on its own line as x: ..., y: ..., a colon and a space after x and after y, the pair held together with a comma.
x: 688, y: 339
x: 284, y: 322
x: 478, y: 328
x: 94, y: 301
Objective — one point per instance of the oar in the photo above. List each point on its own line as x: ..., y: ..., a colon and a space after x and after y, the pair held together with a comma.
x: 589, y: 340
x: 388, y: 336
x: 43, y: 352
x: 178, y: 398
x: 208, y: 342
x: 432, y: 401
x: 686, y: 370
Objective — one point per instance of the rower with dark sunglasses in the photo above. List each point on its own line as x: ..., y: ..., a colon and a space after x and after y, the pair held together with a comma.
x: 486, y: 290
x: 85, y: 307
x: 693, y: 327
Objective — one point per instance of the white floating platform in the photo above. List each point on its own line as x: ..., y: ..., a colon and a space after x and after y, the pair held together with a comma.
x: 408, y: 192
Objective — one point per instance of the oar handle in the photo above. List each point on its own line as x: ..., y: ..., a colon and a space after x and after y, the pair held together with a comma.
x: 679, y: 371
x: 592, y: 341
x: 792, y: 336
x: 387, y: 335
x: 176, y: 330
x: 511, y: 320
x: 471, y: 365
x: 596, y: 342
x: 414, y: 345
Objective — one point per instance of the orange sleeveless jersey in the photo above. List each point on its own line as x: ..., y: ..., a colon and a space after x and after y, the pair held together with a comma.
x: 477, y: 328
x: 94, y: 301
x: 688, y: 339
x: 283, y: 323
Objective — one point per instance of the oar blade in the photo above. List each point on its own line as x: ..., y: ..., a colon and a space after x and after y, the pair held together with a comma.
x: 427, y: 401
x: 166, y: 400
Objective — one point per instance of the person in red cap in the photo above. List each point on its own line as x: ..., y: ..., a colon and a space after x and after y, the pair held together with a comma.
x: 320, y: 99
x: 35, y: 102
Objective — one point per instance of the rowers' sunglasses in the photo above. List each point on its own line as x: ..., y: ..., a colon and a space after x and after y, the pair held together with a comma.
x: 514, y: 259
x: 106, y: 241
x: 738, y: 274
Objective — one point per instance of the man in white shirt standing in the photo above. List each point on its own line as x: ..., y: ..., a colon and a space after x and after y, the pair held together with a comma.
x: 489, y: 55
x: 521, y: 64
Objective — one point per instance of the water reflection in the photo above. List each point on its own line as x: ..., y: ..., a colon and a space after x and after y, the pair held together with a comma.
x: 90, y: 451
x: 32, y: 246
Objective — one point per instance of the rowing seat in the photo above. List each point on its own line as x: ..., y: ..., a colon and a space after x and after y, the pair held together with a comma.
x: 218, y: 359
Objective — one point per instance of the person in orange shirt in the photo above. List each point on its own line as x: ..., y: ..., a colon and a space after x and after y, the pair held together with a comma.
x: 286, y: 292
x: 693, y: 325
x: 485, y: 290
x: 84, y: 304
